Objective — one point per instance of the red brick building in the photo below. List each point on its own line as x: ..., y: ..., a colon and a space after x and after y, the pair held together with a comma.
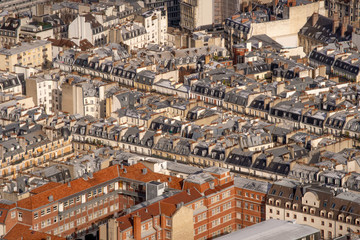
x: 21, y: 231
x: 206, y: 206
x: 250, y: 198
x: 151, y: 205
x: 78, y: 207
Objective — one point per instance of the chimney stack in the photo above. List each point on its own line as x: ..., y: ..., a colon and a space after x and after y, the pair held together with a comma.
x: 344, y: 26
x: 137, y: 227
x: 315, y: 18
x: 336, y: 22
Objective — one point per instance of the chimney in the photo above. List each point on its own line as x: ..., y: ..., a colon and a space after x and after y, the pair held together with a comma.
x: 336, y: 22
x: 315, y: 18
x: 344, y: 26
x: 137, y: 227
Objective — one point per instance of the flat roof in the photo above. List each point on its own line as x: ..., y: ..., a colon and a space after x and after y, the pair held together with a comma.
x: 272, y: 229
x: 25, y: 46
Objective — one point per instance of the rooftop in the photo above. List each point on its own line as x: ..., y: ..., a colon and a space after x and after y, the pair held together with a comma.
x: 272, y: 229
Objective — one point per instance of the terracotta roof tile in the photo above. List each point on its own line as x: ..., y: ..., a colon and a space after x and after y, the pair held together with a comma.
x: 4, y: 209
x: 21, y: 231
x: 44, y: 187
x: 166, y: 206
x: 64, y: 190
x: 60, y: 191
x: 219, y: 188
x: 135, y: 172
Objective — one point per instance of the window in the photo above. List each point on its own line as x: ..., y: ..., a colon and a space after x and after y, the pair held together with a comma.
x: 43, y: 212
x: 305, y: 219
x: 168, y: 234
x: 36, y: 215
x: 55, y: 208
x: 168, y: 222
x: 48, y: 210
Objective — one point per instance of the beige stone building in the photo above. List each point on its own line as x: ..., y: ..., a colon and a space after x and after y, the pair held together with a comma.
x: 333, y: 211
x: 32, y: 54
x: 46, y: 92
x: 350, y: 8
x: 196, y: 13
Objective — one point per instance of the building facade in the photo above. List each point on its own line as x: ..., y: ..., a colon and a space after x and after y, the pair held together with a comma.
x: 34, y: 54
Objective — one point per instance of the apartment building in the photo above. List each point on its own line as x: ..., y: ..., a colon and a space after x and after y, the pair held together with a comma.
x: 46, y: 92
x: 250, y: 198
x: 203, y: 210
x: 224, y: 9
x: 32, y: 54
x: 344, y: 8
x: 195, y: 14
x: 86, y: 26
x: 77, y: 208
x: 84, y: 96
x: 35, y: 148
x: 333, y: 211
x: 155, y: 23
x: 20, y: 5
x: 11, y: 83
x: 284, y: 30
x: 172, y: 7
x: 320, y: 30
x: 10, y: 31
x: 131, y: 34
